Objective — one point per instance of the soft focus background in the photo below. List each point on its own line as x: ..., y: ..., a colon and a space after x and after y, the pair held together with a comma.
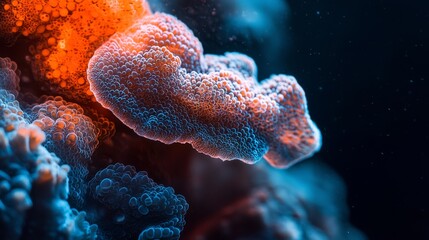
x: 364, y: 67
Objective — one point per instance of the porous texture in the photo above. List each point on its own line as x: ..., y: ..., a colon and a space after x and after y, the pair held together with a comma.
x: 65, y: 35
x: 11, y: 114
x: 135, y: 206
x: 235, y: 62
x: 164, y: 30
x: 9, y: 76
x: 33, y: 191
x: 68, y: 129
x: 220, y: 108
x: 106, y: 127
x: 71, y: 135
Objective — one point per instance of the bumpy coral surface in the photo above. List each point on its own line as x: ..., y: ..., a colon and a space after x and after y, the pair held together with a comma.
x: 149, y: 77
x: 138, y: 205
x: 69, y: 131
x: 33, y: 191
x: 164, y: 30
x: 71, y: 135
x: 66, y: 34
x: 9, y: 76
x: 11, y: 114
x: 33, y: 184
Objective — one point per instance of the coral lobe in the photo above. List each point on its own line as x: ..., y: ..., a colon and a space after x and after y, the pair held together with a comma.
x: 164, y: 89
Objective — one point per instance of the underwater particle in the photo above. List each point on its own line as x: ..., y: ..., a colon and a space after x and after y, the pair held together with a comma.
x: 221, y: 111
x: 33, y: 190
x: 134, y: 206
x: 65, y: 34
x: 9, y: 76
x: 71, y: 135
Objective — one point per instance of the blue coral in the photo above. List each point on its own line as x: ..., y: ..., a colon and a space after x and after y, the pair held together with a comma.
x: 34, y: 189
x: 11, y: 114
x: 33, y: 186
x: 71, y: 135
x: 137, y: 204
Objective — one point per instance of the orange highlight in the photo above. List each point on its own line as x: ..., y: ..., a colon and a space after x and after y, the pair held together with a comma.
x: 67, y: 32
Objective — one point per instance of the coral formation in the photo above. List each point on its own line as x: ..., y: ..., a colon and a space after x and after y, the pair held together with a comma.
x: 139, y: 206
x: 106, y: 127
x: 34, y: 189
x: 71, y: 135
x: 164, y: 30
x: 9, y: 76
x: 222, y: 111
x: 66, y: 33
x: 151, y: 72
x: 32, y: 183
x: 11, y: 114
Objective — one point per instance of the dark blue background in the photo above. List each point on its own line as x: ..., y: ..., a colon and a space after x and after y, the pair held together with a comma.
x: 364, y: 66
x: 372, y: 68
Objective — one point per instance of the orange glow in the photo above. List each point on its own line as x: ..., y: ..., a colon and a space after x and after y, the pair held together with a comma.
x: 66, y: 33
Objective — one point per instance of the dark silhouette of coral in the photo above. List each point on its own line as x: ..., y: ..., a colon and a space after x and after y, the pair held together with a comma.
x: 132, y: 205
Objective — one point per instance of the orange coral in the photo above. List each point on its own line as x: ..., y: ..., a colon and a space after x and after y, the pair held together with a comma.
x: 67, y: 33
x: 166, y: 31
x: 156, y: 81
x: 68, y: 130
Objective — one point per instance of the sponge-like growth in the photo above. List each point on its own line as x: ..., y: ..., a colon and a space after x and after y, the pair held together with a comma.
x: 164, y: 30
x: 235, y: 62
x: 222, y: 110
x: 139, y: 206
x: 68, y: 130
x: 66, y: 34
x: 292, y: 134
x: 70, y: 134
x: 11, y: 114
x: 33, y: 191
x: 9, y: 76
